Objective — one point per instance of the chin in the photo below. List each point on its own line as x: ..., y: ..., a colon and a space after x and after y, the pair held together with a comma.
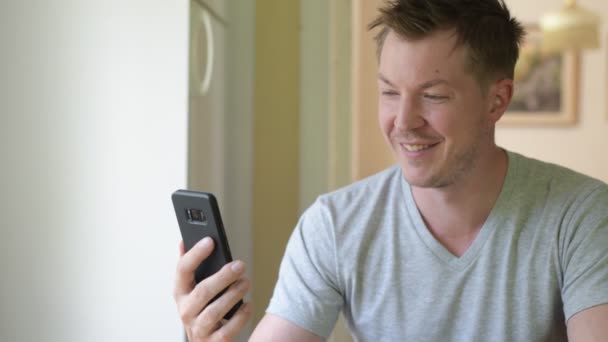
x: 428, y: 180
x: 418, y: 180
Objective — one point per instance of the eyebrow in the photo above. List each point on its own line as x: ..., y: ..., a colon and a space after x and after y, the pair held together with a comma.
x: 424, y: 85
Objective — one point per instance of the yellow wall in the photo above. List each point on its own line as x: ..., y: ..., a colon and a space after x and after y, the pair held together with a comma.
x: 276, y: 141
x: 370, y: 153
x: 581, y: 147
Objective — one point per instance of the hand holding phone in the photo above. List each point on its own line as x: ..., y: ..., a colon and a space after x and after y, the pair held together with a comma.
x: 209, y: 285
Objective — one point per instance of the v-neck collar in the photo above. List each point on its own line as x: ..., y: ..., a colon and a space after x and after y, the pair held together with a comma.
x: 494, y: 219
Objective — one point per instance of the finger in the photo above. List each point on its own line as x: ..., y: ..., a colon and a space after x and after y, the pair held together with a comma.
x: 187, y: 264
x: 215, y: 311
x: 234, y: 326
x: 210, y: 287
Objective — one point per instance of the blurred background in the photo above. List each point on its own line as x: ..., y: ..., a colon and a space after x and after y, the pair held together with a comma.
x: 107, y: 107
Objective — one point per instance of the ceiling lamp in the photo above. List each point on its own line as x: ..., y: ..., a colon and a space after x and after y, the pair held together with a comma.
x: 571, y: 28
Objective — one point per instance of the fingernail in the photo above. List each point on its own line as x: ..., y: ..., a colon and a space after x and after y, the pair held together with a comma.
x: 237, y: 267
x: 206, y: 241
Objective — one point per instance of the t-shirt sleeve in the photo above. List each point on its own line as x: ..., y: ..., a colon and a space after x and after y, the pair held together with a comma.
x: 307, y: 292
x: 585, y: 256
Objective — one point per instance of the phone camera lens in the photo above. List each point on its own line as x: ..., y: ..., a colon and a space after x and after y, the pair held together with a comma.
x: 196, y: 216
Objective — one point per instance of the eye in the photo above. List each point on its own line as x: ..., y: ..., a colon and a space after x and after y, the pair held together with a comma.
x: 434, y: 97
x: 389, y: 93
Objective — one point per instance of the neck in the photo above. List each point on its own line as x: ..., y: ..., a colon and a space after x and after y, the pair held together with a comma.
x: 454, y: 214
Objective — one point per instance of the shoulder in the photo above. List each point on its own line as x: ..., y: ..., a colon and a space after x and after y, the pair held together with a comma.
x: 348, y: 213
x: 557, y: 182
x: 574, y: 203
x: 365, y: 191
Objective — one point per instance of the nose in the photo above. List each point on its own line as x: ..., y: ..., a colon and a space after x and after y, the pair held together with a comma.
x: 408, y: 116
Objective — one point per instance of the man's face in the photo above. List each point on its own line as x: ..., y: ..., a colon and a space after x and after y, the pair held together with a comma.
x: 432, y: 111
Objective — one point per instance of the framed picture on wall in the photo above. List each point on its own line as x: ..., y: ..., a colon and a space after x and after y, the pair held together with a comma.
x: 546, y: 85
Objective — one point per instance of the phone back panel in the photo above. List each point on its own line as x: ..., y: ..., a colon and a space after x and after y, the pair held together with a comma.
x: 198, y: 216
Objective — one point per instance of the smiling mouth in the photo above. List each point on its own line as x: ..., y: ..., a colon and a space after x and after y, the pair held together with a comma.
x: 417, y: 147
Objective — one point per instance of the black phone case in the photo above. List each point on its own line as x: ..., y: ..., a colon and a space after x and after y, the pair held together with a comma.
x: 210, y: 224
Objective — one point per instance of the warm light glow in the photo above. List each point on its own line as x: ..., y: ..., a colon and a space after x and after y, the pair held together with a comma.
x: 571, y: 28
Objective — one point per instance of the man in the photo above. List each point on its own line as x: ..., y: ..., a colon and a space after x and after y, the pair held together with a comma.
x: 462, y: 241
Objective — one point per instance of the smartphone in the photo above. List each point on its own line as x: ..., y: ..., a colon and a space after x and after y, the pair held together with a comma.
x: 198, y: 216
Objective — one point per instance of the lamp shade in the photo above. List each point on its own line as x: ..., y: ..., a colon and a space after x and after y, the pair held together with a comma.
x: 571, y: 28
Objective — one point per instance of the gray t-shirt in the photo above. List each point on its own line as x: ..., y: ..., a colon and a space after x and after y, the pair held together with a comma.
x: 541, y: 257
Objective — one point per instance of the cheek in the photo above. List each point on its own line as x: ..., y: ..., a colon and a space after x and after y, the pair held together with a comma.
x: 455, y: 116
x: 386, y: 116
x: 455, y: 129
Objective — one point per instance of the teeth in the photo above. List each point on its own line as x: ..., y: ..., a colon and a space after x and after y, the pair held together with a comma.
x: 415, y: 148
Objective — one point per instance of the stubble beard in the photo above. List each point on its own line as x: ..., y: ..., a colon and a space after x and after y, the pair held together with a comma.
x: 457, y: 165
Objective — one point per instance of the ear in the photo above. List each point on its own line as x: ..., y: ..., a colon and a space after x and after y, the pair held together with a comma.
x: 500, y: 97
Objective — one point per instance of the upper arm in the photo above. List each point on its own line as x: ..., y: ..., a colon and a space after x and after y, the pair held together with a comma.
x: 308, y: 290
x: 584, y: 255
x: 589, y: 325
x: 274, y: 328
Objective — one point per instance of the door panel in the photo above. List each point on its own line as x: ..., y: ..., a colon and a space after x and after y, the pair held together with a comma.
x: 370, y: 152
x: 206, y: 103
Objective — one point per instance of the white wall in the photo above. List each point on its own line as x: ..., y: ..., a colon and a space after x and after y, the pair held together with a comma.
x: 92, y: 143
x: 581, y: 147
